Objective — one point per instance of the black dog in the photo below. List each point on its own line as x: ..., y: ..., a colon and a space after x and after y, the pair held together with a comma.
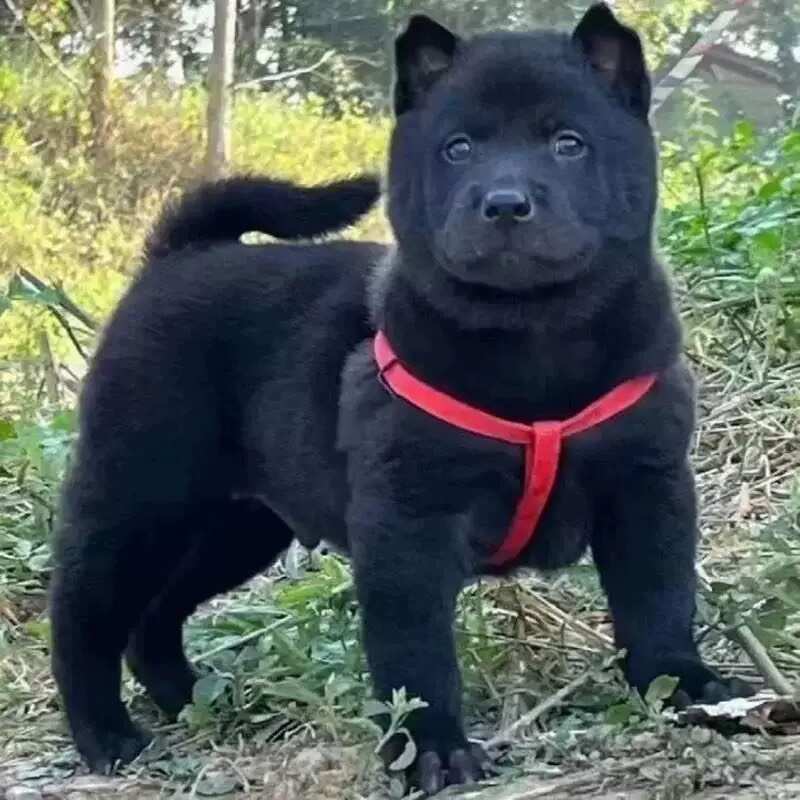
x: 235, y: 404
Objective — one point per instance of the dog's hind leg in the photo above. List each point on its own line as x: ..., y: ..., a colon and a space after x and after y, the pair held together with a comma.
x: 104, y: 577
x: 238, y: 539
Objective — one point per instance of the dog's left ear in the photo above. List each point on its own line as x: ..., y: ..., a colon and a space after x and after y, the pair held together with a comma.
x: 615, y: 52
x: 424, y: 51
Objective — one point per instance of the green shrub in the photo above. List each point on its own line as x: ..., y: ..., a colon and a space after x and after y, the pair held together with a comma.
x: 731, y: 229
x: 81, y: 223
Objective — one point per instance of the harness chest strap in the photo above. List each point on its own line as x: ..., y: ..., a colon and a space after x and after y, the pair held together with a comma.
x: 541, y: 440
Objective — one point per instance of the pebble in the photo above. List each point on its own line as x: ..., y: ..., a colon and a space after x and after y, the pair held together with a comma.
x: 647, y: 742
x: 310, y: 762
x: 701, y: 736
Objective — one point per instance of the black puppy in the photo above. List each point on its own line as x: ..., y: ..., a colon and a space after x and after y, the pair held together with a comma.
x: 235, y: 403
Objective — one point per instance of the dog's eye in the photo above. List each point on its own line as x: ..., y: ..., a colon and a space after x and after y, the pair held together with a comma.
x: 569, y: 144
x: 458, y: 149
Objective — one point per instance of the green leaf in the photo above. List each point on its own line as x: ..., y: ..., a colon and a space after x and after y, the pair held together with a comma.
x: 661, y: 689
x: 375, y: 708
x: 291, y: 689
x: 23, y: 549
x: 773, y: 620
x: 19, y: 289
x: 406, y: 758
x: 620, y: 714
x: 66, y: 421
x: 5, y: 303
x: 208, y: 689
x: 770, y: 189
x: 7, y: 430
x: 791, y: 145
x: 720, y: 588
x: 40, y: 561
x: 768, y: 241
x: 744, y: 133
x: 38, y: 629
x: 336, y: 686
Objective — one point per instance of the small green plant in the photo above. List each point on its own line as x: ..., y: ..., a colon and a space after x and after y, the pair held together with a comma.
x: 33, y: 455
x: 397, y: 711
x: 731, y: 227
x: 284, y: 654
x: 764, y: 593
x: 637, y: 709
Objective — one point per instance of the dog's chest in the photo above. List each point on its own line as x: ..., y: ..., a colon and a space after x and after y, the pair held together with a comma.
x: 441, y: 471
x: 485, y: 481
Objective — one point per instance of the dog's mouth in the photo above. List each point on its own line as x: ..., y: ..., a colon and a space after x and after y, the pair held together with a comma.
x: 514, y: 270
x: 516, y: 257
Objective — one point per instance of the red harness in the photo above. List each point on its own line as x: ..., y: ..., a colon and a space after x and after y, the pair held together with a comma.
x: 541, y: 440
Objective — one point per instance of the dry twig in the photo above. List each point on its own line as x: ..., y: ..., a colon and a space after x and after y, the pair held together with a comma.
x: 506, y: 736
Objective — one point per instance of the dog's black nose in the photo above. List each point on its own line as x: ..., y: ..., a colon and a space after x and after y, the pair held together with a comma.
x: 507, y: 204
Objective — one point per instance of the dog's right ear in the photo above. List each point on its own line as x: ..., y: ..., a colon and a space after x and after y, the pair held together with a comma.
x: 423, y: 52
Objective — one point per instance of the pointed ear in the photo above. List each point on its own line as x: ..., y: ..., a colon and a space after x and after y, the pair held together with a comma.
x: 615, y: 53
x: 424, y: 51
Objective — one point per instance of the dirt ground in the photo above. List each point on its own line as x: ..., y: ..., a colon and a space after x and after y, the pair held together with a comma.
x: 668, y: 765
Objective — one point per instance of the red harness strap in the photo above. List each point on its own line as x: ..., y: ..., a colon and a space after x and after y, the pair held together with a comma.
x: 541, y: 440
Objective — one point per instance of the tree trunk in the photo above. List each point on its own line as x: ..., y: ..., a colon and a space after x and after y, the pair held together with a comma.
x: 220, y: 78
x: 102, y: 62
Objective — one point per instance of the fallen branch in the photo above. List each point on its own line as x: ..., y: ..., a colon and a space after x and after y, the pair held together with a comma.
x: 506, y: 736
x: 748, y: 641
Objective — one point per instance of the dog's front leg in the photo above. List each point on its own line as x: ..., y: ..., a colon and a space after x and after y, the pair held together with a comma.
x: 644, y: 547
x: 408, y: 574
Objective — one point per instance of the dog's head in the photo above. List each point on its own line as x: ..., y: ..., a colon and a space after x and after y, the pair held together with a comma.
x: 517, y: 158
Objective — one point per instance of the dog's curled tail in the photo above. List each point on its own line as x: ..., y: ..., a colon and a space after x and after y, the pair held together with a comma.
x: 223, y: 210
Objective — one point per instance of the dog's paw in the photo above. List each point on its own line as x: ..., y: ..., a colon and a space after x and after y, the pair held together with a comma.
x: 104, y: 751
x: 697, y: 683
x: 714, y: 691
x: 434, y: 770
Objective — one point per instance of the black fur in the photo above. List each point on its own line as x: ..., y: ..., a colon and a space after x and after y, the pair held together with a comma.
x: 234, y: 404
x: 223, y: 211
